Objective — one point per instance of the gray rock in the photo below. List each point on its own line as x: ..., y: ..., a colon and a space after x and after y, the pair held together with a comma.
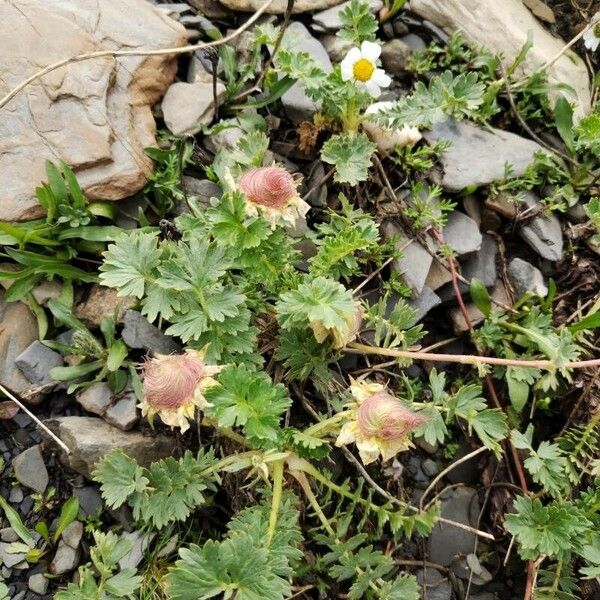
x: 526, y: 278
x: 462, y: 234
x: 465, y: 472
x: 123, y: 414
x: 395, y: 55
x: 415, y: 261
x: 73, y: 533
x: 478, y: 157
x: 482, y: 265
x: 30, y: 469
x: 329, y: 20
x: 65, y: 559
x: 298, y: 106
x: 427, y: 300
x: 446, y: 541
x: 139, y: 334
x: 46, y: 291
x: 36, y: 361
x: 91, y: 438
x: 470, y: 567
x: 8, y: 534
x: 336, y: 47
x: 227, y: 138
x: 6, y: 572
x: 201, y: 190
x: 38, y: 583
x: 140, y: 542
x: 188, y: 106
x: 543, y: 233
x: 18, y: 331
x: 430, y: 467
x: 96, y: 398
x: 318, y: 196
x: 16, y: 495
x: 90, y: 501
x: 9, y: 559
x: 414, y: 42
x: 438, y: 587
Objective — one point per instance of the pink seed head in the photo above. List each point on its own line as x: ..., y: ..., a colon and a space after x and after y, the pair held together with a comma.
x: 268, y: 186
x: 170, y: 381
x: 383, y: 416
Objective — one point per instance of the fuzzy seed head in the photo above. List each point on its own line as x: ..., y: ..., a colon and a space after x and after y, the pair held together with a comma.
x: 171, y: 381
x: 384, y: 417
x: 272, y: 187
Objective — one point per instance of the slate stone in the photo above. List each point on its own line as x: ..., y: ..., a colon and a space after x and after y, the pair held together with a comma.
x: 65, y: 559
x: 330, y: 20
x: 140, y: 542
x: 526, y: 278
x: 9, y: 559
x: 415, y: 261
x: 438, y: 587
x: 123, y: 414
x: 96, y: 398
x: 482, y: 265
x: 543, y: 233
x: 36, y: 361
x: 90, y: 501
x: 462, y: 233
x: 446, y: 541
x: 38, y: 583
x: 478, y: 157
x: 139, y: 334
x: 427, y: 300
x: 30, y: 469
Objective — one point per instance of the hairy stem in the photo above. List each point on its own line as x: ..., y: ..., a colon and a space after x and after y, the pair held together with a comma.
x: 276, y: 500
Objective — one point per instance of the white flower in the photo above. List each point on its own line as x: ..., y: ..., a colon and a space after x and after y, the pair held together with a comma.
x: 388, y: 138
x: 360, y: 65
x: 591, y: 38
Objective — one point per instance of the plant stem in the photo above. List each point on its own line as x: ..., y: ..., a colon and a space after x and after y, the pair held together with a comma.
x: 324, y: 425
x: 468, y: 359
x: 305, y: 485
x: 276, y: 500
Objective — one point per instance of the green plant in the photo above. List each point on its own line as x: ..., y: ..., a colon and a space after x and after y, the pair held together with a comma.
x: 49, y: 248
x: 102, y: 579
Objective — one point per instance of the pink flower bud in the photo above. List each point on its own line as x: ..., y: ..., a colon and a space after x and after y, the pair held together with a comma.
x: 384, y: 417
x: 272, y: 187
x: 171, y: 381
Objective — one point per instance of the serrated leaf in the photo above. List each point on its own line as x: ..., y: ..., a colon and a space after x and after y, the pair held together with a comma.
x: 350, y: 154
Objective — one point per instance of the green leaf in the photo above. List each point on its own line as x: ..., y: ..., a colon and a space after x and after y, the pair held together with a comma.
x: 491, y: 428
x: 91, y: 233
x: 124, y: 583
x: 351, y: 154
x: 480, y: 296
x: 358, y: 22
x: 563, y: 119
x: 68, y: 513
x: 15, y: 522
x: 120, y: 478
x: 76, y: 371
x: 117, y: 353
x: 131, y: 263
x: 250, y: 400
x: 56, y: 183
x: 590, y: 321
x: 518, y: 390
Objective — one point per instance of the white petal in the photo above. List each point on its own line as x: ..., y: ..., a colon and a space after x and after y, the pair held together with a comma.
x: 373, y: 88
x: 381, y: 78
x: 370, y: 51
x: 347, y: 65
x: 594, y: 44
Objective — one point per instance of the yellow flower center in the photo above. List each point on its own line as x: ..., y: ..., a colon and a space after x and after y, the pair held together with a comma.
x: 363, y: 69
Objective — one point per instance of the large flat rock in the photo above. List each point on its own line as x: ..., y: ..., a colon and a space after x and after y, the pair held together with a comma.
x: 94, y: 114
x: 89, y: 439
x: 478, y: 156
x: 279, y: 6
x: 502, y: 27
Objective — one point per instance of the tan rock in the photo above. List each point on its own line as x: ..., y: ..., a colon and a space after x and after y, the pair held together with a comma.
x: 278, y: 6
x: 438, y: 276
x: 503, y: 27
x: 89, y: 439
x: 102, y: 302
x: 94, y: 114
x: 18, y: 329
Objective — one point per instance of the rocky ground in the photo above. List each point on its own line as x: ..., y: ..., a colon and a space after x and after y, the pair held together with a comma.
x: 114, y: 109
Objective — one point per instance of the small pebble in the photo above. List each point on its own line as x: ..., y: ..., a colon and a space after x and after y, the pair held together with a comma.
x: 38, y: 584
